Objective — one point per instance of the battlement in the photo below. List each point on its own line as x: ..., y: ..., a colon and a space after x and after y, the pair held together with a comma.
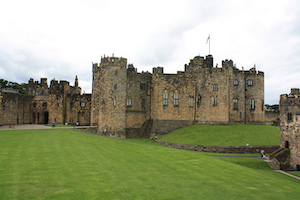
x: 106, y: 61
x: 158, y: 70
x: 291, y: 98
x: 227, y: 64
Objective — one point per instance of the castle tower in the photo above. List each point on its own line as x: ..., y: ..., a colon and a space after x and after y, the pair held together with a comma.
x: 289, y: 126
x: 109, y: 96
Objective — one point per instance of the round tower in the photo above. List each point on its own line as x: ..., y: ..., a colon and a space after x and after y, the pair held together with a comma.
x: 109, y: 96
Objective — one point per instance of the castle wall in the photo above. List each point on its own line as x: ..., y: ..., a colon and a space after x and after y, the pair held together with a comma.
x: 78, y: 109
x: 289, y: 126
x: 137, y: 98
x: 207, y: 111
x: 171, y: 84
x: 15, y: 108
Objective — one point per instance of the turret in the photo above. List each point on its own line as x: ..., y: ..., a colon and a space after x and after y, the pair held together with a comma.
x: 76, y: 82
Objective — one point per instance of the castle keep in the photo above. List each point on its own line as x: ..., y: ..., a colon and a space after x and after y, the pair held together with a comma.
x: 126, y: 103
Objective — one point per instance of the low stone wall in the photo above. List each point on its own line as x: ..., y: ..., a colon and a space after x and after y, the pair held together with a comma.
x: 90, y: 129
x: 220, y: 149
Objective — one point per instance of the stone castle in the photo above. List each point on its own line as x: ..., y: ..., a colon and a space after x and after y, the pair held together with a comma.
x: 60, y: 103
x: 125, y: 103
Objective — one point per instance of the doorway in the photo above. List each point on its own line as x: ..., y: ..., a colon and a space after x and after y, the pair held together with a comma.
x: 46, y: 117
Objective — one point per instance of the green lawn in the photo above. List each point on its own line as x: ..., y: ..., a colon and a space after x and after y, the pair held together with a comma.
x: 228, y: 135
x: 65, y: 164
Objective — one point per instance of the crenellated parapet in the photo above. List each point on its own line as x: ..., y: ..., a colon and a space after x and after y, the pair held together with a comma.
x: 115, y: 61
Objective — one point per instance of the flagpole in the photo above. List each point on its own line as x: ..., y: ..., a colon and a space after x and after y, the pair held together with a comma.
x: 209, y: 46
x: 208, y: 40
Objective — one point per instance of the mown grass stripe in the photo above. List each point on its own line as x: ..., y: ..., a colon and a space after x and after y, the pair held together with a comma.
x: 64, y: 164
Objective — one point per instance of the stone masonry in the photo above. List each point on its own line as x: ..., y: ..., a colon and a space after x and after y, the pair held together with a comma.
x: 290, y: 126
x: 60, y: 103
x: 125, y: 102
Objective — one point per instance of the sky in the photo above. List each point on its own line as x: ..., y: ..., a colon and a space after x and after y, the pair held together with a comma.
x: 62, y: 38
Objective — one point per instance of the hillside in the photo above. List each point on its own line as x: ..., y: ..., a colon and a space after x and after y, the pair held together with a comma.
x: 228, y: 135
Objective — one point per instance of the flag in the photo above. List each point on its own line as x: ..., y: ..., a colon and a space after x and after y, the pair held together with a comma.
x: 207, y: 39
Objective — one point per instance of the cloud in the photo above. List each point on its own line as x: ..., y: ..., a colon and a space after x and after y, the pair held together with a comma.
x: 60, y: 39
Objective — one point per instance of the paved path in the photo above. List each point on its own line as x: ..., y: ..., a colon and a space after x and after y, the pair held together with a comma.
x: 25, y: 126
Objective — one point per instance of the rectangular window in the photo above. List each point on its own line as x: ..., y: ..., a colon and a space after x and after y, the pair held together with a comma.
x: 235, y: 82
x: 250, y: 82
x: 143, y: 103
x: 235, y: 104
x: 214, y: 101
x: 165, y: 99
x: 289, y: 116
x: 115, y: 102
x: 214, y: 87
x: 128, y: 102
x: 252, y: 104
x: 175, y: 99
x: 82, y: 104
x: 191, y: 102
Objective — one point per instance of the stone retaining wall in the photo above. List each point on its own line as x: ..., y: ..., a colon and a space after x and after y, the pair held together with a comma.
x: 220, y: 149
x: 90, y: 129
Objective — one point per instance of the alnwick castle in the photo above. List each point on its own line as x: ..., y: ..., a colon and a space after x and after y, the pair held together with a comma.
x: 128, y: 104
x: 125, y: 103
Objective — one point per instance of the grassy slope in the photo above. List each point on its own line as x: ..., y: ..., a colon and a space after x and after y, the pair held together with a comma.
x: 64, y: 164
x: 235, y: 134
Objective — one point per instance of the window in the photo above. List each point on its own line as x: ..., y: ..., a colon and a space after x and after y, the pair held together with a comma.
x: 235, y: 82
x: 143, y: 86
x: 235, y: 104
x: 214, y: 87
x: 82, y: 104
x: 214, y: 101
x: 191, y: 102
x: 143, y: 103
x: 289, y: 116
x: 115, y: 102
x: 252, y: 104
x: 165, y: 99
x: 250, y: 82
x: 128, y: 102
x: 176, y: 99
x: 115, y: 86
x: 128, y: 85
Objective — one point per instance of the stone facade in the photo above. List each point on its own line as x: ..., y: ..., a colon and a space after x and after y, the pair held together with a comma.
x: 60, y: 103
x: 290, y: 126
x: 124, y: 100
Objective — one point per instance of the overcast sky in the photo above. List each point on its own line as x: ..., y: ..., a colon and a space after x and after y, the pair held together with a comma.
x: 61, y: 38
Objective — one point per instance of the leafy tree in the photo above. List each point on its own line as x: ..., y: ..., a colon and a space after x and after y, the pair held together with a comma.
x: 22, y: 88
